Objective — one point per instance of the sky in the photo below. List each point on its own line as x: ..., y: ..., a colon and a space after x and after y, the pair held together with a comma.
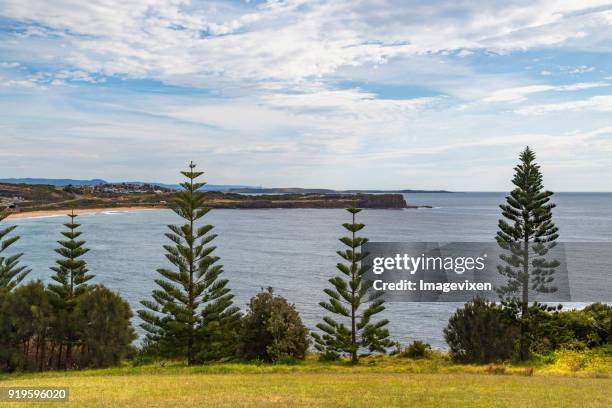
x: 371, y: 94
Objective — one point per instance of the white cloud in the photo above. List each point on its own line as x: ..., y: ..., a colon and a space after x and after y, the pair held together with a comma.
x: 519, y: 94
x: 290, y: 41
x: 582, y: 69
x: 319, y: 121
x: 560, y: 148
x: 596, y: 103
x: 465, y: 53
x: 350, y: 103
x: 17, y: 83
x: 75, y: 76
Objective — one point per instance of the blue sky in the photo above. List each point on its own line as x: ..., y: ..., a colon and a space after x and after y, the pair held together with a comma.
x: 338, y: 94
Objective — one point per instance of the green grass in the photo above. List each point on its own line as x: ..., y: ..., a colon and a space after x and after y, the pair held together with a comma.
x: 567, y: 379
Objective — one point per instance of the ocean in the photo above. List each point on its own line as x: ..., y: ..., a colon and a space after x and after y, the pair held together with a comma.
x: 294, y: 250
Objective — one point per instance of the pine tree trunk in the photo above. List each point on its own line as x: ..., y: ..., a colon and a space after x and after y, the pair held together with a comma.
x: 37, y: 350
x: 525, y: 300
x: 42, y: 354
x: 51, y: 355
x: 191, y: 340
x: 190, y: 356
x: 59, y: 357
x: 353, y: 336
x: 69, y: 354
x: 353, y: 323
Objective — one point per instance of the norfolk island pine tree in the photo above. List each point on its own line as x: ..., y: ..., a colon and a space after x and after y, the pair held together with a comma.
x: 527, y: 225
x: 71, y: 279
x: 348, y: 296
x: 191, y: 314
x: 11, y: 273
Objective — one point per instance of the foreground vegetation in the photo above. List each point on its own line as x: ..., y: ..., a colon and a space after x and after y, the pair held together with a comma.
x: 557, y: 381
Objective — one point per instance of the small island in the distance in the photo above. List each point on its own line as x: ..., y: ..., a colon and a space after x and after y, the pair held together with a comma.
x: 38, y: 197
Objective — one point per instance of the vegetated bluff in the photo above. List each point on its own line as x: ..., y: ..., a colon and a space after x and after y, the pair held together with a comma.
x: 26, y: 197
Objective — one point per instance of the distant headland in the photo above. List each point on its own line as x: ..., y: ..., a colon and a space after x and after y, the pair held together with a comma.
x: 35, y: 198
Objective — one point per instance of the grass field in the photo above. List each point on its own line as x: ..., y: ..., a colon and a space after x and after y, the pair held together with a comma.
x: 570, y: 380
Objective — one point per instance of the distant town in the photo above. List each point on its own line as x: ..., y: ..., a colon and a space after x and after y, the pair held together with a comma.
x: 14, y: 196
x: 118, y: 188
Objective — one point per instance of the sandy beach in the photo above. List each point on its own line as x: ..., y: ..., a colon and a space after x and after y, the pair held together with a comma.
x: 52, y: 213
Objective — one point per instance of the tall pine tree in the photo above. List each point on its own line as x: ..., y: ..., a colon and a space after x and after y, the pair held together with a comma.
x: 71, y: 277
x: 191, y: 314
x: 11, y: 273
x: 527, y: 234
x: 351, y: 299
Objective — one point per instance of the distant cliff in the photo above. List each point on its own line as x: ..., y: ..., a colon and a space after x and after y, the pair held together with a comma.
x: 382, y: 201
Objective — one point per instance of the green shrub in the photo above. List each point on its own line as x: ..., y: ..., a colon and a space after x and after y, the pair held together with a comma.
x: 482, y: 332
x: 550, y: 328
x: 142, y: 359
x: 599, y: 316
x: 416, y: 349
x: 272, y: 330
x: 547, y: 329
x: 286, y: 361
x: 29, y: 323
x: 26, y: 316
x: 606, y: 349
x: 105, y: 327
x: 8, y: 341
x: 329, y: 356
x: 485, y: 332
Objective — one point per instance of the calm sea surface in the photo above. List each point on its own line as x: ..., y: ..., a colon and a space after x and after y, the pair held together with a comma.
x: 294, y: 250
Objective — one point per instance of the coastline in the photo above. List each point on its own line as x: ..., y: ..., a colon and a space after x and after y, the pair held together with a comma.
x: 78, y: 211
x: 384, y: 201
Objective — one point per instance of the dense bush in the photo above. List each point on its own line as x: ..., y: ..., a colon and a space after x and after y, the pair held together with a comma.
x: 416, y: 349
x: 599, y: 325
x: 550, y: 328
x: 482, y: 332
x: 9, y: 344
x: 106, y: 331
x: 29, y: 337
x: 272, y: 330
x: 26, y: 320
